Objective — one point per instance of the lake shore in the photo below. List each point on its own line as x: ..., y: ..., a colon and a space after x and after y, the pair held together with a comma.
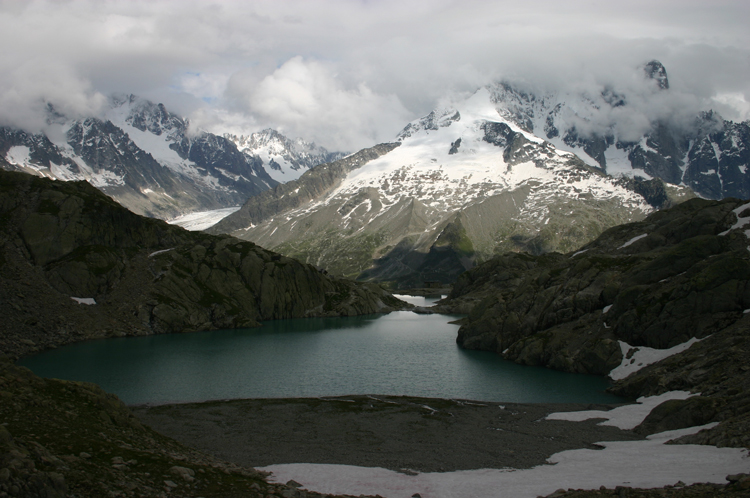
x: 404, y: 434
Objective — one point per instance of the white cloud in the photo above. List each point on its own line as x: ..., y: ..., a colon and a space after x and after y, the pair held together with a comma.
x: 346, y: 73
x: 305, y: 98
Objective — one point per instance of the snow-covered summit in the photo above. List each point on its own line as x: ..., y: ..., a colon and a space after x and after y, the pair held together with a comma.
x: 284, y: 159
x: 460, y: 184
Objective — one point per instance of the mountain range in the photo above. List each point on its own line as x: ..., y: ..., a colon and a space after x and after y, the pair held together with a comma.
x: 458, y: 186
x: 507, y: 169
x: 152, y: 162
x: 707, y: 153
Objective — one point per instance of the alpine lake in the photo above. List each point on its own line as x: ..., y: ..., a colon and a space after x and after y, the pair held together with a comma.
x: 401, y: 353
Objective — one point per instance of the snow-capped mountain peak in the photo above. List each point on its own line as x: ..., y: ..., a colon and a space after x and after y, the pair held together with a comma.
x: 460, y: 184
x: 284, y: 159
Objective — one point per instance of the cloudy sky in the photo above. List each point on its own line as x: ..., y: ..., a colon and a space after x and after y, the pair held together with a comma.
x: 347, y: 73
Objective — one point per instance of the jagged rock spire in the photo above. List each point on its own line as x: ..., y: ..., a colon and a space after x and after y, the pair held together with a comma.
x: 655, y: 70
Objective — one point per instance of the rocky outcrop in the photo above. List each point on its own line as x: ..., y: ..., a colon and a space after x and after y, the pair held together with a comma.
x: 74, y: 264
x: 718, y: 367
x: 680, y: 273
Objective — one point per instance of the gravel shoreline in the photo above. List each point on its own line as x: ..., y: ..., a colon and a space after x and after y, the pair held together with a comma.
x: 404, y: 434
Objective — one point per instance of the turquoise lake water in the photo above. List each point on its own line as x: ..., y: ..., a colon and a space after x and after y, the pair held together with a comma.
x: 401, y: 353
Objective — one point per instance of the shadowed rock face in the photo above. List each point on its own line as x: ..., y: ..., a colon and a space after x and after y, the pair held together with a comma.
x: 654, y: 283
x: 65, y: 239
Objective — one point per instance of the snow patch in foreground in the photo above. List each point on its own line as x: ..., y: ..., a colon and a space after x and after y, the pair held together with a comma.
x: 643, y: 357
x: 625, y: 417
x: 202, y: 220
x: 644, y: 464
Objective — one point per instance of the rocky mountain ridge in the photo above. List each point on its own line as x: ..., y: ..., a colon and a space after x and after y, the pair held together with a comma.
x: 74, y: 264
x: 710, y: 154
x: 459, y: 186
x: 152, y: 162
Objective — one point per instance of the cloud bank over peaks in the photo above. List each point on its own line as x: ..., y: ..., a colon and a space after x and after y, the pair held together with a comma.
x: 625, y: 102
x: 307, y: 98
x: 348, y: 74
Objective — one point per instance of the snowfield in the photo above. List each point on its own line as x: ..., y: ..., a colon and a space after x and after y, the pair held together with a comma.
x: 644, y: 464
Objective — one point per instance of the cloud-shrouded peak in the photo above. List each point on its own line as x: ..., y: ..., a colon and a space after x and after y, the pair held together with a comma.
x: 656, y: 71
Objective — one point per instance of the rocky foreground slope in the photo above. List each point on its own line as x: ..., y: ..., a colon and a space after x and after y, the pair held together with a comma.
x: 74, y: 265
x: 680, y: 273
x: 62, y: 439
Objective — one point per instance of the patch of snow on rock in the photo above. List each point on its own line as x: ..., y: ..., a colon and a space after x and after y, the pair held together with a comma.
x: 83, y: 300
x: 625, y: 417
x: 742, y: 222
x: 643, y: 357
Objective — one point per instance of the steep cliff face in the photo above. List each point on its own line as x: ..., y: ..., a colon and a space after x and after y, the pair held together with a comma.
x: 74, y: 264
x: 680, y: 273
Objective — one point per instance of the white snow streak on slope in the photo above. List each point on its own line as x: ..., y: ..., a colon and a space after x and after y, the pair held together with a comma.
x: 633, y: 240
x: 84, y: 300
x: 202, y: 219
x: 287, y: 173
x: 156, y: 145
x: 646, y: 464
x: 20, y: 155
x: 618, y: 164
x: 156, y: 253
x: 644, y: 356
